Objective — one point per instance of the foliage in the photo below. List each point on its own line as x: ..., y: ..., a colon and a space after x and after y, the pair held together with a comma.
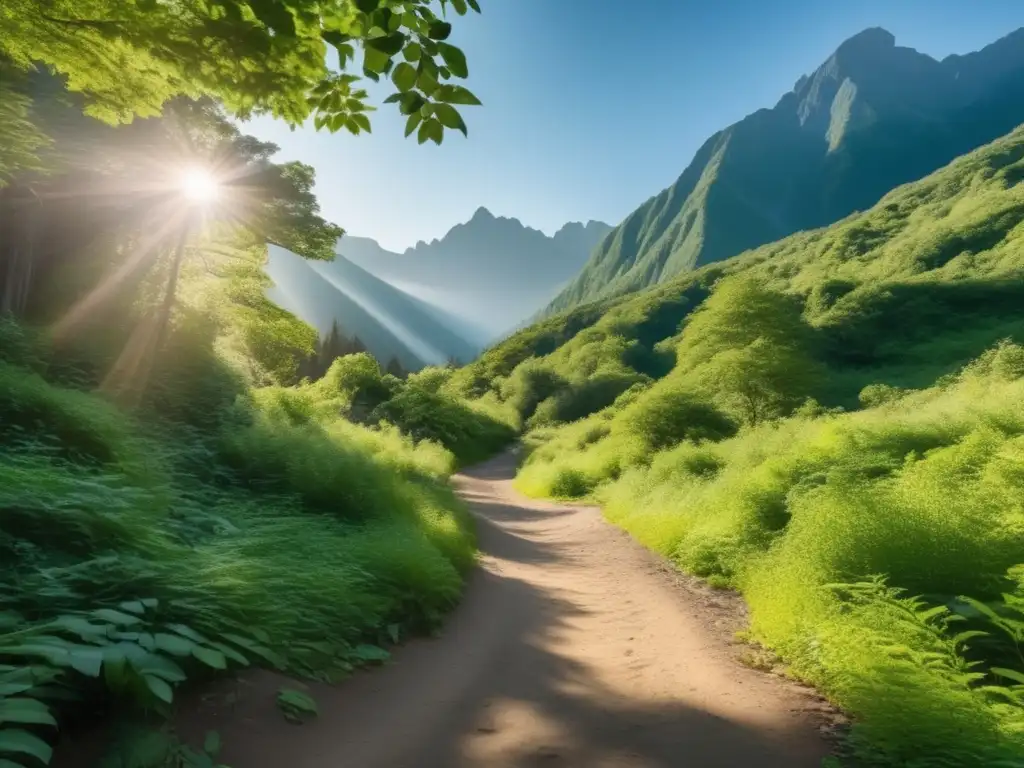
x: 296, y: 706
x: 840, y: 430
x: 129, y: 57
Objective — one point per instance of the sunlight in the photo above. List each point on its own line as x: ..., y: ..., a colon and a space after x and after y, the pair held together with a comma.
x: 199, y: 186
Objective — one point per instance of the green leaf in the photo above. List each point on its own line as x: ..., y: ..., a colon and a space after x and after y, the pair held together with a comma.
x: 187, y: 632
x: 412, y: 52
x: 367, y: 6
x: 17, y: 741
x: 439, y: 30
x: 375, y: 60
x: 456, y: 94
x: 296, y: 705
x: 159, y: 688
x: 1009, y: 674
x: 210, y: 657
x: 450, y: 117
x: 88, y: 661
x: 27, y: 711
x: 411, y: 102
x: 133, y: 606
x: 455, y: 59
x: 119, y: 618
x: 387, y: 44
x: 159, y: 666
x: 474, y: 5
x: 404, y: 76
x: 176, y: 645
x: 363, y: 122
x: 231, y: 653
x: 412, y: 123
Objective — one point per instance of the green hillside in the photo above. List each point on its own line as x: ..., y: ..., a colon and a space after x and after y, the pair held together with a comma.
x: 873, y: 116
x: 833, y: 424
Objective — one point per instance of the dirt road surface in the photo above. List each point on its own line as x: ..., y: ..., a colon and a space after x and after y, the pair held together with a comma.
x: 572, y: 647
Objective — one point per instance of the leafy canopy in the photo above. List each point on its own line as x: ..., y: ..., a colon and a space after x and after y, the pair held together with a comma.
x: 129, y: 57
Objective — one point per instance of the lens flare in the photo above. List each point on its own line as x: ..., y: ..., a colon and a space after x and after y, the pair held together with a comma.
x: 199, y: 186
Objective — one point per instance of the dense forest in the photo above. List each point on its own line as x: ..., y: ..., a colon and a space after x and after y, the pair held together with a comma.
x: 831, y: 424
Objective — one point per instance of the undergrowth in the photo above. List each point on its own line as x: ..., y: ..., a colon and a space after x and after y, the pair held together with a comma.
x: 142, y: 553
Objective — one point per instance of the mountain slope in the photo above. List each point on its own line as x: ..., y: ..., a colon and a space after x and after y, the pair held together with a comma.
x: 903, y: 293
x: 873, y: 116
x: 390, y: 323
x: 833, y: 424
x: 490, y: 274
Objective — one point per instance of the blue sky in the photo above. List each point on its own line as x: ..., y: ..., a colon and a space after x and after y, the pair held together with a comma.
x: 592, y: 106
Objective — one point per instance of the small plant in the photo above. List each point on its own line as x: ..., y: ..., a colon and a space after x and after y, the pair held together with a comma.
x: 296, y: 706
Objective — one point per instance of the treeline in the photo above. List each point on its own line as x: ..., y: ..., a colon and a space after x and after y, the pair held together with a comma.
x: 834, y: 425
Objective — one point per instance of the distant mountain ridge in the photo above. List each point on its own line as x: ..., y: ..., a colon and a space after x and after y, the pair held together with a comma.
x: 492, y: 272
x: 873, y: 116
x: 438, y: 301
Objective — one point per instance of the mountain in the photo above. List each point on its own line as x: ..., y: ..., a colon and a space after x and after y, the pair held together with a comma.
x: 873, y: 116
x: 388, y: 322
x: 490, y: 274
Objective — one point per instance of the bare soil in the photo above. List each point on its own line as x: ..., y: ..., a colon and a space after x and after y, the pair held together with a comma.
x: 573, y: 646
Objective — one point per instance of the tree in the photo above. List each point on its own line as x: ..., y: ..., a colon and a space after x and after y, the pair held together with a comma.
x: 129, y: 57
x: 748, y: 349
x: 395, y: 368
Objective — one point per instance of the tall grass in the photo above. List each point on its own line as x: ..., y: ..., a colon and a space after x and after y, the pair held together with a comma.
x: 141, y: 551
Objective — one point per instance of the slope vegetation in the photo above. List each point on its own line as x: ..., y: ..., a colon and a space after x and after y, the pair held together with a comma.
x: 873, y: 116
x: 833, y: 424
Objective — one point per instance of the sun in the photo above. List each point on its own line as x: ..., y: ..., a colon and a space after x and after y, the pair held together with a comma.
x: 199, y: 186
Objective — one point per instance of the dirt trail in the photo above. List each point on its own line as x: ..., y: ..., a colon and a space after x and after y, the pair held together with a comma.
x: 572, y: 647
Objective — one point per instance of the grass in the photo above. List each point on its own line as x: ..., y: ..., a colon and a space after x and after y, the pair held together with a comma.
x: 834, y: 425
x: 141, y: 552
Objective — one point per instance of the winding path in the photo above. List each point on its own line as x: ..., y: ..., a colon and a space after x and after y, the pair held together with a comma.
x: 573, y: 647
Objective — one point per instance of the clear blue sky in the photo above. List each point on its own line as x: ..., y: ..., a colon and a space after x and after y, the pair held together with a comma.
x: 592, y: 106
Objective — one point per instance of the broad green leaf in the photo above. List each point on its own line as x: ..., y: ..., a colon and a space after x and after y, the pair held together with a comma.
x: 404, y: 76
x: 412, y: 123
x: 176, y: 645
x: 116, y: 617
x: 389, y: 45
x: 159, y: 666
x: 455, y: 59
x: 26, y: 711
x: 159, y: 688
x: 88, y: 661
x: 375, y: 60
x: 210, y: 657
x: 412, y: 52
x: 450, y: 117
x: 440, y: 30
x: 363, y: 122
x: 456, y: 94
x: 187, y: 632
x: 17, y: 741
